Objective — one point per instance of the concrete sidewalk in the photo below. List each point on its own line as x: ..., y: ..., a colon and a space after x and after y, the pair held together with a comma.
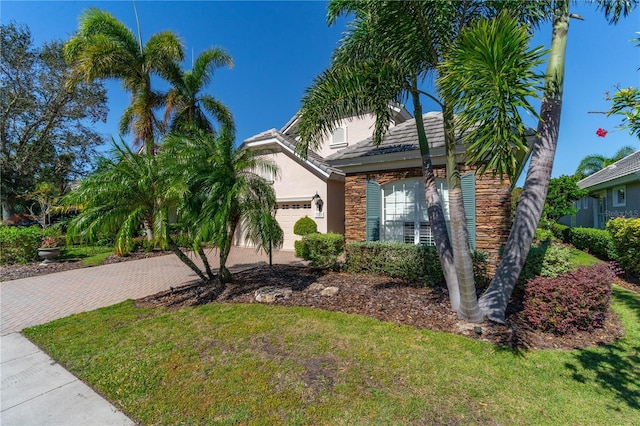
x: 34, y: 389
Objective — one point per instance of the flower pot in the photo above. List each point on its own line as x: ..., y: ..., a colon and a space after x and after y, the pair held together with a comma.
x: 49, y: 254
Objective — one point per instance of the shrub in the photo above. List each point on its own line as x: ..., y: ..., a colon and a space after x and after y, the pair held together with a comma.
x: 546, y: 260
x: 20, y: 244
x: 321, y: 250
x: 480, y: 273
x: 598, y: 242
x: 577, y: 300
x: 561, y: 232
x: 409, y: 262
x: 626, y: 238
x: 543, y: 234
x: 305, y: 226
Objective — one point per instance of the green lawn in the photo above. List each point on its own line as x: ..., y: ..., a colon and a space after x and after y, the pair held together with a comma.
x: 88, y: 255
x: 257, y: 364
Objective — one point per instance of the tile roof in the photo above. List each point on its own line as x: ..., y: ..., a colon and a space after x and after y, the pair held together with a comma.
x: 400, y: 138
x: 625, y: 167
x: 290, y: 143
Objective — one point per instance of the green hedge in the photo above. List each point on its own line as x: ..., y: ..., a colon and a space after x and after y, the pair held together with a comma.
x: 20, y: 244
x: 561, y: 232
x: 626, y: 237
x: 321, y: 250
x: 404, y: 261
x: 598, y: 242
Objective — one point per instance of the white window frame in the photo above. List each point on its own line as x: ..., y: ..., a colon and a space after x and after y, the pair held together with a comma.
x: 616, y: 192
x: 417, y: 230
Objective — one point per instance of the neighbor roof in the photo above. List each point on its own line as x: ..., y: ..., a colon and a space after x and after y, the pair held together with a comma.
x: 629, y: 165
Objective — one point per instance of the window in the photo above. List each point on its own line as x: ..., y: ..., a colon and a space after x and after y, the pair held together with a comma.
x: 585, y: 203
x: 339, y: 138
x: 620, y: 196
x: 578, y: 204
x: 404, y: 211
x: 306, y: 206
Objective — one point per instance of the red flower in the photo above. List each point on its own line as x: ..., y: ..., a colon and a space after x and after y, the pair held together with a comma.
x: 601, y: 132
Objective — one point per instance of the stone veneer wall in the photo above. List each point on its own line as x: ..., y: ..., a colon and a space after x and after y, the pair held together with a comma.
x: 493, y: 207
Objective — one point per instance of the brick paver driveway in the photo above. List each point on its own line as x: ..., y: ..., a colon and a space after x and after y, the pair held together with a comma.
x: 37, y: 300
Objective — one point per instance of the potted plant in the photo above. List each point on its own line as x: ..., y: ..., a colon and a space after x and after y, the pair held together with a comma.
x: 49, y: 249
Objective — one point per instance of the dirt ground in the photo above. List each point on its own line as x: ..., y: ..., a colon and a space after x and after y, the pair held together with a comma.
x: 386, y: 299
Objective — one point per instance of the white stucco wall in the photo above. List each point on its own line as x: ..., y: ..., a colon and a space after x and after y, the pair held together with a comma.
x: 357, y: 129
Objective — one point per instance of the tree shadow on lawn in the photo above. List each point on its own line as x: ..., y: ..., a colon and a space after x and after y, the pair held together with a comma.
x: 616, y: 367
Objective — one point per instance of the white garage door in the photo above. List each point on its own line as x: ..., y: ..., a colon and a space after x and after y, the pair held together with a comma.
x: 287, y: 215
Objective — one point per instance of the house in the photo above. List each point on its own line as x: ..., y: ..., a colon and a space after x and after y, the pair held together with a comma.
x: 310, y: 187
x: 377, y: 192
x: 613, y: 192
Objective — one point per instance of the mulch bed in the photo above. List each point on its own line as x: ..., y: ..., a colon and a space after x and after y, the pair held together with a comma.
x: 384, y: 298
x: 14, y: 272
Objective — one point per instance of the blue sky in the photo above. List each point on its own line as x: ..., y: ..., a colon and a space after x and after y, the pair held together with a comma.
x: 278, y: 47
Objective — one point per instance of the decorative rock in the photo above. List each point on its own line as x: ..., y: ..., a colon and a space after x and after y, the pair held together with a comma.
x: 315, y: 287
x: 271, y: 294
x: 329, y: 291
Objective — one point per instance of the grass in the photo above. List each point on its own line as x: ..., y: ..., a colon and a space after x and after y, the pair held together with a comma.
x: 580, y: 258
x: 88, y: 255
x: 256, y: 364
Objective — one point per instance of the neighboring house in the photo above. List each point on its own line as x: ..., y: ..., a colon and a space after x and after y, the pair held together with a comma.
x: 375, y: 193
x: 613, y: 192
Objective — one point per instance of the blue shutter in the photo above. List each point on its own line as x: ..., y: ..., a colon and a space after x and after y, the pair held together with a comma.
x: 468, y: 182
x: 373, y: 207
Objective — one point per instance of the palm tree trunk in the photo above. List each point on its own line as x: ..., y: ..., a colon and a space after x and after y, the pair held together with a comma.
x: 185, y: 259
x: 469, y: 309
x: 224, y: 275
x: 205, y: 261
x: 434, y: 209
x: 495, y: 299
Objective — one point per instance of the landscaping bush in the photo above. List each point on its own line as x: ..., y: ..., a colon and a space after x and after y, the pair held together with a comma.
x: 321, y: 250
x: 20, y: 244
x: 561, y: 232
x: 598, y: 242
x: 409, y: 262
x: 626, y: 238
x: 577, y: 300
x: 546, y: 260
x: 543, y: 234
x: 480, y: 273
x: 305, y: 226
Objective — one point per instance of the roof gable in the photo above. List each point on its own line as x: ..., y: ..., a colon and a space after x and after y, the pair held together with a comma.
x: 627, y: 166
x: 313, y: 161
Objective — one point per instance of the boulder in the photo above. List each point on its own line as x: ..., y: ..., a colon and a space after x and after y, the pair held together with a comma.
x: 271, y: 294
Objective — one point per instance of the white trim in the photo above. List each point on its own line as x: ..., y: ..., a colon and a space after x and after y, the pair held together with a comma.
x: 289, y: 150
x: 614, y: 196
x: 293, y: 199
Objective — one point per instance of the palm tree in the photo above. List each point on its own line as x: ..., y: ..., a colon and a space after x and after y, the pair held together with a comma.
x: 596, y: 162
x: 104, y: 47
x: 125, y: 192
x: 403, y: 43
x: 221, y: 189
x: 529, y: 211
x: 185, y: 106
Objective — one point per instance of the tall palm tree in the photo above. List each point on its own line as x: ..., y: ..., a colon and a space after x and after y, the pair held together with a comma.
x: 104, y: 47
x: 596, y: 162
x: 404, y: 43
x: 185, y: 105
x: 222, y: 188
x: 126, y: 191
x: 529, y: 210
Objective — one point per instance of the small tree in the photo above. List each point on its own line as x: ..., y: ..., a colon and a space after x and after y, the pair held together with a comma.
x: 562, y: 194
x: 305, y: 226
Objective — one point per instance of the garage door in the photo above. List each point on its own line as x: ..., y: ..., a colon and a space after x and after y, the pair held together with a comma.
x: 287, y: 215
